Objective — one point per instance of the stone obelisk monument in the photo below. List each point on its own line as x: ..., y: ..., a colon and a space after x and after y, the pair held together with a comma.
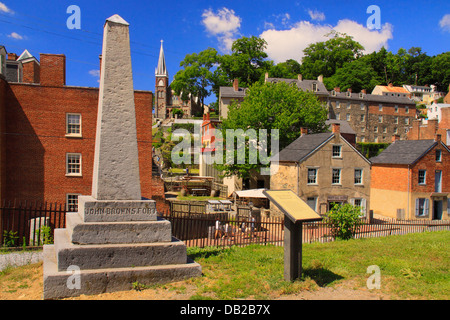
x: 116, y: 238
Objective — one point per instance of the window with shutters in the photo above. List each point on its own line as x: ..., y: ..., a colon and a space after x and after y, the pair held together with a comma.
x: 422, y: 207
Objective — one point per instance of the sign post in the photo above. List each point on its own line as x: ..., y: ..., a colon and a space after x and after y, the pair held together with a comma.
x: 296, y: 212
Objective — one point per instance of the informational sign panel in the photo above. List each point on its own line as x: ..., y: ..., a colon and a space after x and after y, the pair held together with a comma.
x: 292, y: 206
x: 296, y: 211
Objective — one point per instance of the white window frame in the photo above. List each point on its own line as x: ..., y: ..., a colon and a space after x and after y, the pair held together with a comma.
x: 425, y: 208
x: 70, y: 134
x: 332, y: 176
x: 422, y: 182
x: 316, y: 177
x: 361, y: 177
x: 74, y: 174
x: 363, y: 205
x: 340, y: 151
x: 68, y: 200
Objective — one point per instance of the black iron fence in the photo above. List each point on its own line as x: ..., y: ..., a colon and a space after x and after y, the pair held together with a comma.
x: 226, y: 229
x: 33, y: 224
x: 29, y: 223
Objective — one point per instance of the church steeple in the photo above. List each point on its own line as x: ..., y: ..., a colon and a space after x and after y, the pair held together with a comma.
x: 161, y: 71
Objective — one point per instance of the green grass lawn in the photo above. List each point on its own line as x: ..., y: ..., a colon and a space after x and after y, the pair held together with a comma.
x: 412, y: 267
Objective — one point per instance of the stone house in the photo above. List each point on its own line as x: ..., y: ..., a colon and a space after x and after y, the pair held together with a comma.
x: 411, y: 180
x: 323, y: 169
x: 375, y: 118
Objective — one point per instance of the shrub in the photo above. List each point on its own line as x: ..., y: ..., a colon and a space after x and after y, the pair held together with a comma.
x: 345, y: 221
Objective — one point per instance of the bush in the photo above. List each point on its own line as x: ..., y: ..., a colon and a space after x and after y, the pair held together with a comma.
x: 345, y: 221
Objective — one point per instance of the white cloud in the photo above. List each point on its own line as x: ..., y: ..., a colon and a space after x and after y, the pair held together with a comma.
x: 224, y: 25
x: 4, y: 8
x: 16, y: 36
x: 95, y: 73
x: 445, y: 23
x: 289, y: 44
x: 316, y: 15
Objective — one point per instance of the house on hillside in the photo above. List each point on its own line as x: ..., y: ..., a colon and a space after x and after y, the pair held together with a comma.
x: 324, y: 169
x: 411, y: 180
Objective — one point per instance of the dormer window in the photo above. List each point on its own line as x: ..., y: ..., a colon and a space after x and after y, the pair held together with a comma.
x: 349, y: 93
x: 361, y: 95
x: 315, y: 88
x: 333, y: 93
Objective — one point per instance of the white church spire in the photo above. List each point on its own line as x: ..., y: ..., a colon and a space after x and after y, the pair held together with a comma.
x: 161, y: 71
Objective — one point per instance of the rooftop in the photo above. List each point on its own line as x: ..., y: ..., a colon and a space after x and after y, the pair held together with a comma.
x: 404, y: 152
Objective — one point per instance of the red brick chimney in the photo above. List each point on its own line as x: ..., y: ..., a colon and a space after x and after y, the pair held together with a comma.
x: 364, y: 91
x: 337, y: 89
x: 336, y: 128
x: 395, y: 138
x: 438, y: 138
x: 303, y: 131
x: 31, y: 72
x: 236, y: 85
x: 53, y: 70
x: 12, y: 57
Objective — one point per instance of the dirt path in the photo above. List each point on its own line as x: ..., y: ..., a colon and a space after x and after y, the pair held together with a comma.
x: 27, y: 284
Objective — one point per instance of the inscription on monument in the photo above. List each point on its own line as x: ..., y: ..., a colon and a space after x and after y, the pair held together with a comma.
x: 119, y: 211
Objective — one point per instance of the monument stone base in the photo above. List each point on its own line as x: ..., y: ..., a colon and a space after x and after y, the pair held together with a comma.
x: 111, y: 256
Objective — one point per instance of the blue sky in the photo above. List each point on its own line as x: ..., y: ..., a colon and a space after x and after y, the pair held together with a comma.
x: 192, y: 26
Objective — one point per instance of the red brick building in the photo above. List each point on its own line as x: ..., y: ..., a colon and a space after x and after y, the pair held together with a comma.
x: 411, y: 180
x: 48, y: 135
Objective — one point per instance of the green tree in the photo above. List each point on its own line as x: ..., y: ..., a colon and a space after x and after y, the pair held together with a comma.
x: 198, y: 77
x: 247, y: 61
x: 273, y: 106
x: 324, y: 58
x: 440, y: 71
x: 356, y: 75
x: 289, y: 69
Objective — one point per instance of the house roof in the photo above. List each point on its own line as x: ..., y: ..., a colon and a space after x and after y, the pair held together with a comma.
x: 345, y: 126
x: 404, y: 152
x: 304, y: 85
x: 393, y: 89
x: 229, y: 92
x: 302, y: 147
x: 372, y: 98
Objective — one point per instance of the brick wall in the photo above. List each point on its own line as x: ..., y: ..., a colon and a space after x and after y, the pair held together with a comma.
x: 2, y: 136
x: 31, y: 72
x: 389, y: 177
x: 36, y: 143
x: 53, y: 70
x: 429, y: 163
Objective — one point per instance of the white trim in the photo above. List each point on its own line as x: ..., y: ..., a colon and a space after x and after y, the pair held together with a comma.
x: 67, y: 165
x: 73, y: 135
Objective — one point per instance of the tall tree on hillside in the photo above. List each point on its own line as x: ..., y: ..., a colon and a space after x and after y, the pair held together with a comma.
x: 440, y: 71
x: 199, y: 75
x: 324, y: 58
x: 247, y: 61
x: 289, y: 69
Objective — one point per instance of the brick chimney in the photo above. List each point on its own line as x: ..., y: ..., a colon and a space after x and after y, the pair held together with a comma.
x: 236, y: 85
x: 337, y: 89
x: 364, y: 91
x: 320, y: 78
x: 336, y: 128
x: 300, y: 77
x: 395, y: 138
x: 303, y: 131
x: 31, y: 72
x: 438, y: 138
x: 12, y: 57
x: 100, y: 57
x: 53, y: 70
x: 266, y: 76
